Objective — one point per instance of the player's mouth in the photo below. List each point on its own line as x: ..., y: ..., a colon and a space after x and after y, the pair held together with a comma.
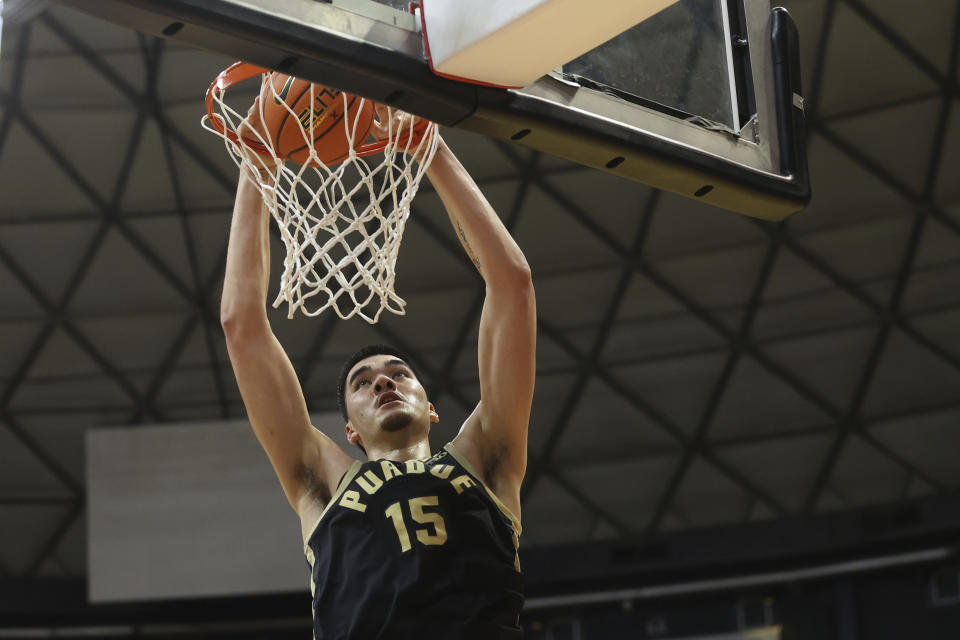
x: 388, y: 397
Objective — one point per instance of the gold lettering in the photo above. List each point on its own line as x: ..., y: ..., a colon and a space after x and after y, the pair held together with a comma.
x: 369, y: 482
x: 396, y: 515
x: 439, y: 535
x: 351, y: 500
x: 314, y: 115
x: 389, y: 470
x: 310, y: 117
x: 442, y: 471
x: 462, y: 482
x: 433, y: 521
x: 415, y: 466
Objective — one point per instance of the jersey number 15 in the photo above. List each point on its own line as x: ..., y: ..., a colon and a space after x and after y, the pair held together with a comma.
x: 435, y: 532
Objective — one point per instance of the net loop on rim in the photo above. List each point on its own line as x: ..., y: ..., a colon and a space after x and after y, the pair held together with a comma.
x: 341, y: 219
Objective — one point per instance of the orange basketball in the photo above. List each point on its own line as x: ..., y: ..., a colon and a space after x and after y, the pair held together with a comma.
x: 322, y: 113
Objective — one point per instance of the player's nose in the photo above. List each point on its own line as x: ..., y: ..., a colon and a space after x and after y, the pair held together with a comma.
x: 383, y: 383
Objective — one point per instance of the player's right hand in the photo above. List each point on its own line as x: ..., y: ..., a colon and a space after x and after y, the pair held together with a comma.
x: 391, y: 123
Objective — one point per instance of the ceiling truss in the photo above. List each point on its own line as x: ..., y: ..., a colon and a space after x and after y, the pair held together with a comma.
x: 199, y: 293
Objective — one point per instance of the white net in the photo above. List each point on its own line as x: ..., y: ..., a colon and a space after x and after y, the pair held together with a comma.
x: 341, y: 224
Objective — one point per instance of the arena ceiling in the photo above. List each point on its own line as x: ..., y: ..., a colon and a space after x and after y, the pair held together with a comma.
x: 696, y: 368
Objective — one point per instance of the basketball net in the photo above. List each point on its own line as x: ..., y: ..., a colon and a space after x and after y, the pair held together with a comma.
x: 341, y: 224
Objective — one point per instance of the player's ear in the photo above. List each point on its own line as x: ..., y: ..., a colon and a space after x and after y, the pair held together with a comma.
x: 433, y: 412
x: 353, y: 436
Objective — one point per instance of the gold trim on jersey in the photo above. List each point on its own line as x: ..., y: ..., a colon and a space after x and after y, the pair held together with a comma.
x: 347, y: 478
x: 459, y: 457
x: 514, y: 520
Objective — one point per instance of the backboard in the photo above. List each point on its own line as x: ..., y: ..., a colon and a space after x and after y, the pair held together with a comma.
x: 703, y: 99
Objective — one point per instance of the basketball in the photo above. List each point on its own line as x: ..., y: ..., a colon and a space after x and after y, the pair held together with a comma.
x: 295, y: 110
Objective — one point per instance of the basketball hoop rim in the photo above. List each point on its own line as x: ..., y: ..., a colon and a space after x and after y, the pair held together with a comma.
x: 241, y: 71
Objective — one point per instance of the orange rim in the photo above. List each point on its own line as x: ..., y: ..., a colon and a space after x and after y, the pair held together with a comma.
x: 240, y: 71
x: 237, y: 72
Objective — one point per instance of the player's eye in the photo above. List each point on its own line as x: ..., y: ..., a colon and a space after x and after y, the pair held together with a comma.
x: 400, y: 374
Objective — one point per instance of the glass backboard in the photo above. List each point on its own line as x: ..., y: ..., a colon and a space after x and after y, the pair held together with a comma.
x: 703, y: 99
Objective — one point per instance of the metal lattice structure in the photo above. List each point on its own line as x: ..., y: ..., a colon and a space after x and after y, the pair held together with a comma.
x: 696, y: 368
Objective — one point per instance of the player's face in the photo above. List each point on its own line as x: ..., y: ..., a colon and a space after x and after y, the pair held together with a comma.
x: 382, y: 394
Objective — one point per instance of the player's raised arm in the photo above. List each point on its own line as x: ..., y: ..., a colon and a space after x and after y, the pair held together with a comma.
x: 497, y: 431
x: 307, y: 462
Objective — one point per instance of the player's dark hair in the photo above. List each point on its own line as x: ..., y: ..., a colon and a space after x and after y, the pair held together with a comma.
x: 366, y: 352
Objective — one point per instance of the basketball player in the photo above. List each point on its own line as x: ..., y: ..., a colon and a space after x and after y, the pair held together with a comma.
x: 408, y: 544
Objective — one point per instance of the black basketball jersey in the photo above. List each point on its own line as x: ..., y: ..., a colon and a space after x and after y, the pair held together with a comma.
x: 410, y: 548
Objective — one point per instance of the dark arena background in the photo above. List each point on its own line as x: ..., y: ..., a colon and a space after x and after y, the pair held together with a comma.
x: 741, y: 429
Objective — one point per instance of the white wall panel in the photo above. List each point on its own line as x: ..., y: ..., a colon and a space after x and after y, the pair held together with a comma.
x: 187, y: 510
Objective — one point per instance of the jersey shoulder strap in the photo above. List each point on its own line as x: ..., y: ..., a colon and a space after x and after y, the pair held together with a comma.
x: 457, y: 455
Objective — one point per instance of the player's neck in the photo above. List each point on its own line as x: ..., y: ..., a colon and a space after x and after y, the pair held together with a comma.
x: 419, y: 450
